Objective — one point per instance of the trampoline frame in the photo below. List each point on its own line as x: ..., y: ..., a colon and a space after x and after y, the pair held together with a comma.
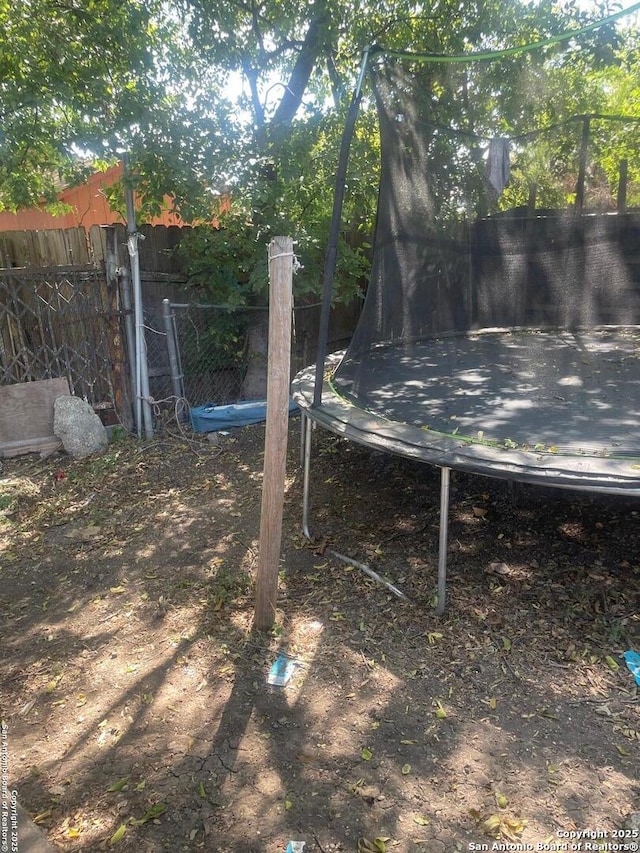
x: 344, y: 419
x: 320, y: 404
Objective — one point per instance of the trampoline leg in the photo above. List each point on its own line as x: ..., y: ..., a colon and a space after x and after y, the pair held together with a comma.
x: 306, y: 506
x: 443, y: 540
x: 303, y: 431
x: 306, y: 479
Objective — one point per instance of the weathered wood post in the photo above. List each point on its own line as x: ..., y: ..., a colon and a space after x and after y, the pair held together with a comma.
x: 621, y: 205
x: 582, y: 169
x: 275, y: 444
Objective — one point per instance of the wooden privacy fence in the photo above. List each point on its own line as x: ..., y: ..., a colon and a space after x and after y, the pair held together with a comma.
x: 71, y: 246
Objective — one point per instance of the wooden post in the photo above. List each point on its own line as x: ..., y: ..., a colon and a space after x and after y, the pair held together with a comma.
x: 119, y: 359
x: 275, y: 445
x: 582, y: 169
x: 622, y: 187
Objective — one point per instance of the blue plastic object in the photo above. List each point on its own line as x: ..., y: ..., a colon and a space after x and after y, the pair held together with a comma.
x: 211, y: 418
x: 633, y: 662
x: 282, y: 670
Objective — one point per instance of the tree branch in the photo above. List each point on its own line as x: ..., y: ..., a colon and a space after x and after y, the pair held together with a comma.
x: 337, y: 88
x: 258, y: 110
x: 305, y: 63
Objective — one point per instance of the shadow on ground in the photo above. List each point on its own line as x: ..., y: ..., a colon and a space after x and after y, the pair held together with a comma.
x: 136, y: 696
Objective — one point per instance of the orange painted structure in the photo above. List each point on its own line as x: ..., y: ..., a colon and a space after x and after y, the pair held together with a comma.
x: 89, y: 207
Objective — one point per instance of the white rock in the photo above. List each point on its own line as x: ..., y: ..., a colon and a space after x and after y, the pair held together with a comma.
x: 78, y: 427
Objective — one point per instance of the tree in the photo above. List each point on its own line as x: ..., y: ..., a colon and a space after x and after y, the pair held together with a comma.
x: 70, y: 73
x: 298, y: 63
x: 155, y: 79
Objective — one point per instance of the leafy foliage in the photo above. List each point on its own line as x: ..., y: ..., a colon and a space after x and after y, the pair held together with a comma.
x: 69, y: 73
x: 281, y: 194
x: 249, y: 99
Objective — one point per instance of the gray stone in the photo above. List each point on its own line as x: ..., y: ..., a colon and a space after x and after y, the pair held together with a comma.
x: 78, y: 427
x: 632, y: 821
x: 30, y: 838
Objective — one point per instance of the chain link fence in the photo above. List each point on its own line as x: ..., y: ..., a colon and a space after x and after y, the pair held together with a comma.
x: 206, y: 354
x: 63, y: 321
x: 209, y: 348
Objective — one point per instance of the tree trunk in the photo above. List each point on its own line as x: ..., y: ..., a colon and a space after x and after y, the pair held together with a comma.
x: 254, y: 386
x: 307, y: 58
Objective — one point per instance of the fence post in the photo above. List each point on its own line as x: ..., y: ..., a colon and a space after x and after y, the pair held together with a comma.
x: 123, y: 356
x: 143, y: 406
x: 275, y: 447
x: 172, y: 350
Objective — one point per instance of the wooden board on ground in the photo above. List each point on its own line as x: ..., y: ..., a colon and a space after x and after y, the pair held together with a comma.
x: 26, y: 416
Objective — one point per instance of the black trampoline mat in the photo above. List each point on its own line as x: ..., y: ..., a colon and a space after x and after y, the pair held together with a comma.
x: 572, y: 392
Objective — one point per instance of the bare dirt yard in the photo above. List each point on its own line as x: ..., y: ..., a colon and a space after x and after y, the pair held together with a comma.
x: 135, y: 695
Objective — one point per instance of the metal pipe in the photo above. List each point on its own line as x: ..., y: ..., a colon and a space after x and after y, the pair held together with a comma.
x: 172, y: 350
x: 443, y: 539
x: 334, y: 232
x: 130, y: 334
x: 306, y: 479
x: 143, y: 406
x: 368, y: 571
x: 303, y: 432
x: 137, y: 385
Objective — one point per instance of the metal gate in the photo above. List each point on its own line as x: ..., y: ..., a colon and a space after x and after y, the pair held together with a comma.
x: 63, y: 322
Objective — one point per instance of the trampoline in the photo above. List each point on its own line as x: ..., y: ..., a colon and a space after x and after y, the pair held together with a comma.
x: 508, y: 347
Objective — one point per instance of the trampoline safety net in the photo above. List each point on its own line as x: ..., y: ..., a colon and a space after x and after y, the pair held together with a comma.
x: 439, y: 265
x: 468, y: 239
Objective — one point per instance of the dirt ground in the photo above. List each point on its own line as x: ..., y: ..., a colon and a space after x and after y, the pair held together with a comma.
x: 135, y: 695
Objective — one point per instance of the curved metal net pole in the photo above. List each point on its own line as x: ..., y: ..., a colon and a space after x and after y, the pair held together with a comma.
x: 334, y: 232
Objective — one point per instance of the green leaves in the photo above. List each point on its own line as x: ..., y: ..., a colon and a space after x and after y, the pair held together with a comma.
x: 118, y: 835
x: 374, y: 845
x: 120, y: 785
x: 70, y: 74
x: 80, y: 83
x: 151, y: 813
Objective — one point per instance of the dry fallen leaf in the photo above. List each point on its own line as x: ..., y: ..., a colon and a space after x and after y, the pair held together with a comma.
x: 502, y: 801
x: 118, y: 835
x: 498, y: 569
x: 491, y: 825
x: 42, y: 816
x: 25, y: 710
